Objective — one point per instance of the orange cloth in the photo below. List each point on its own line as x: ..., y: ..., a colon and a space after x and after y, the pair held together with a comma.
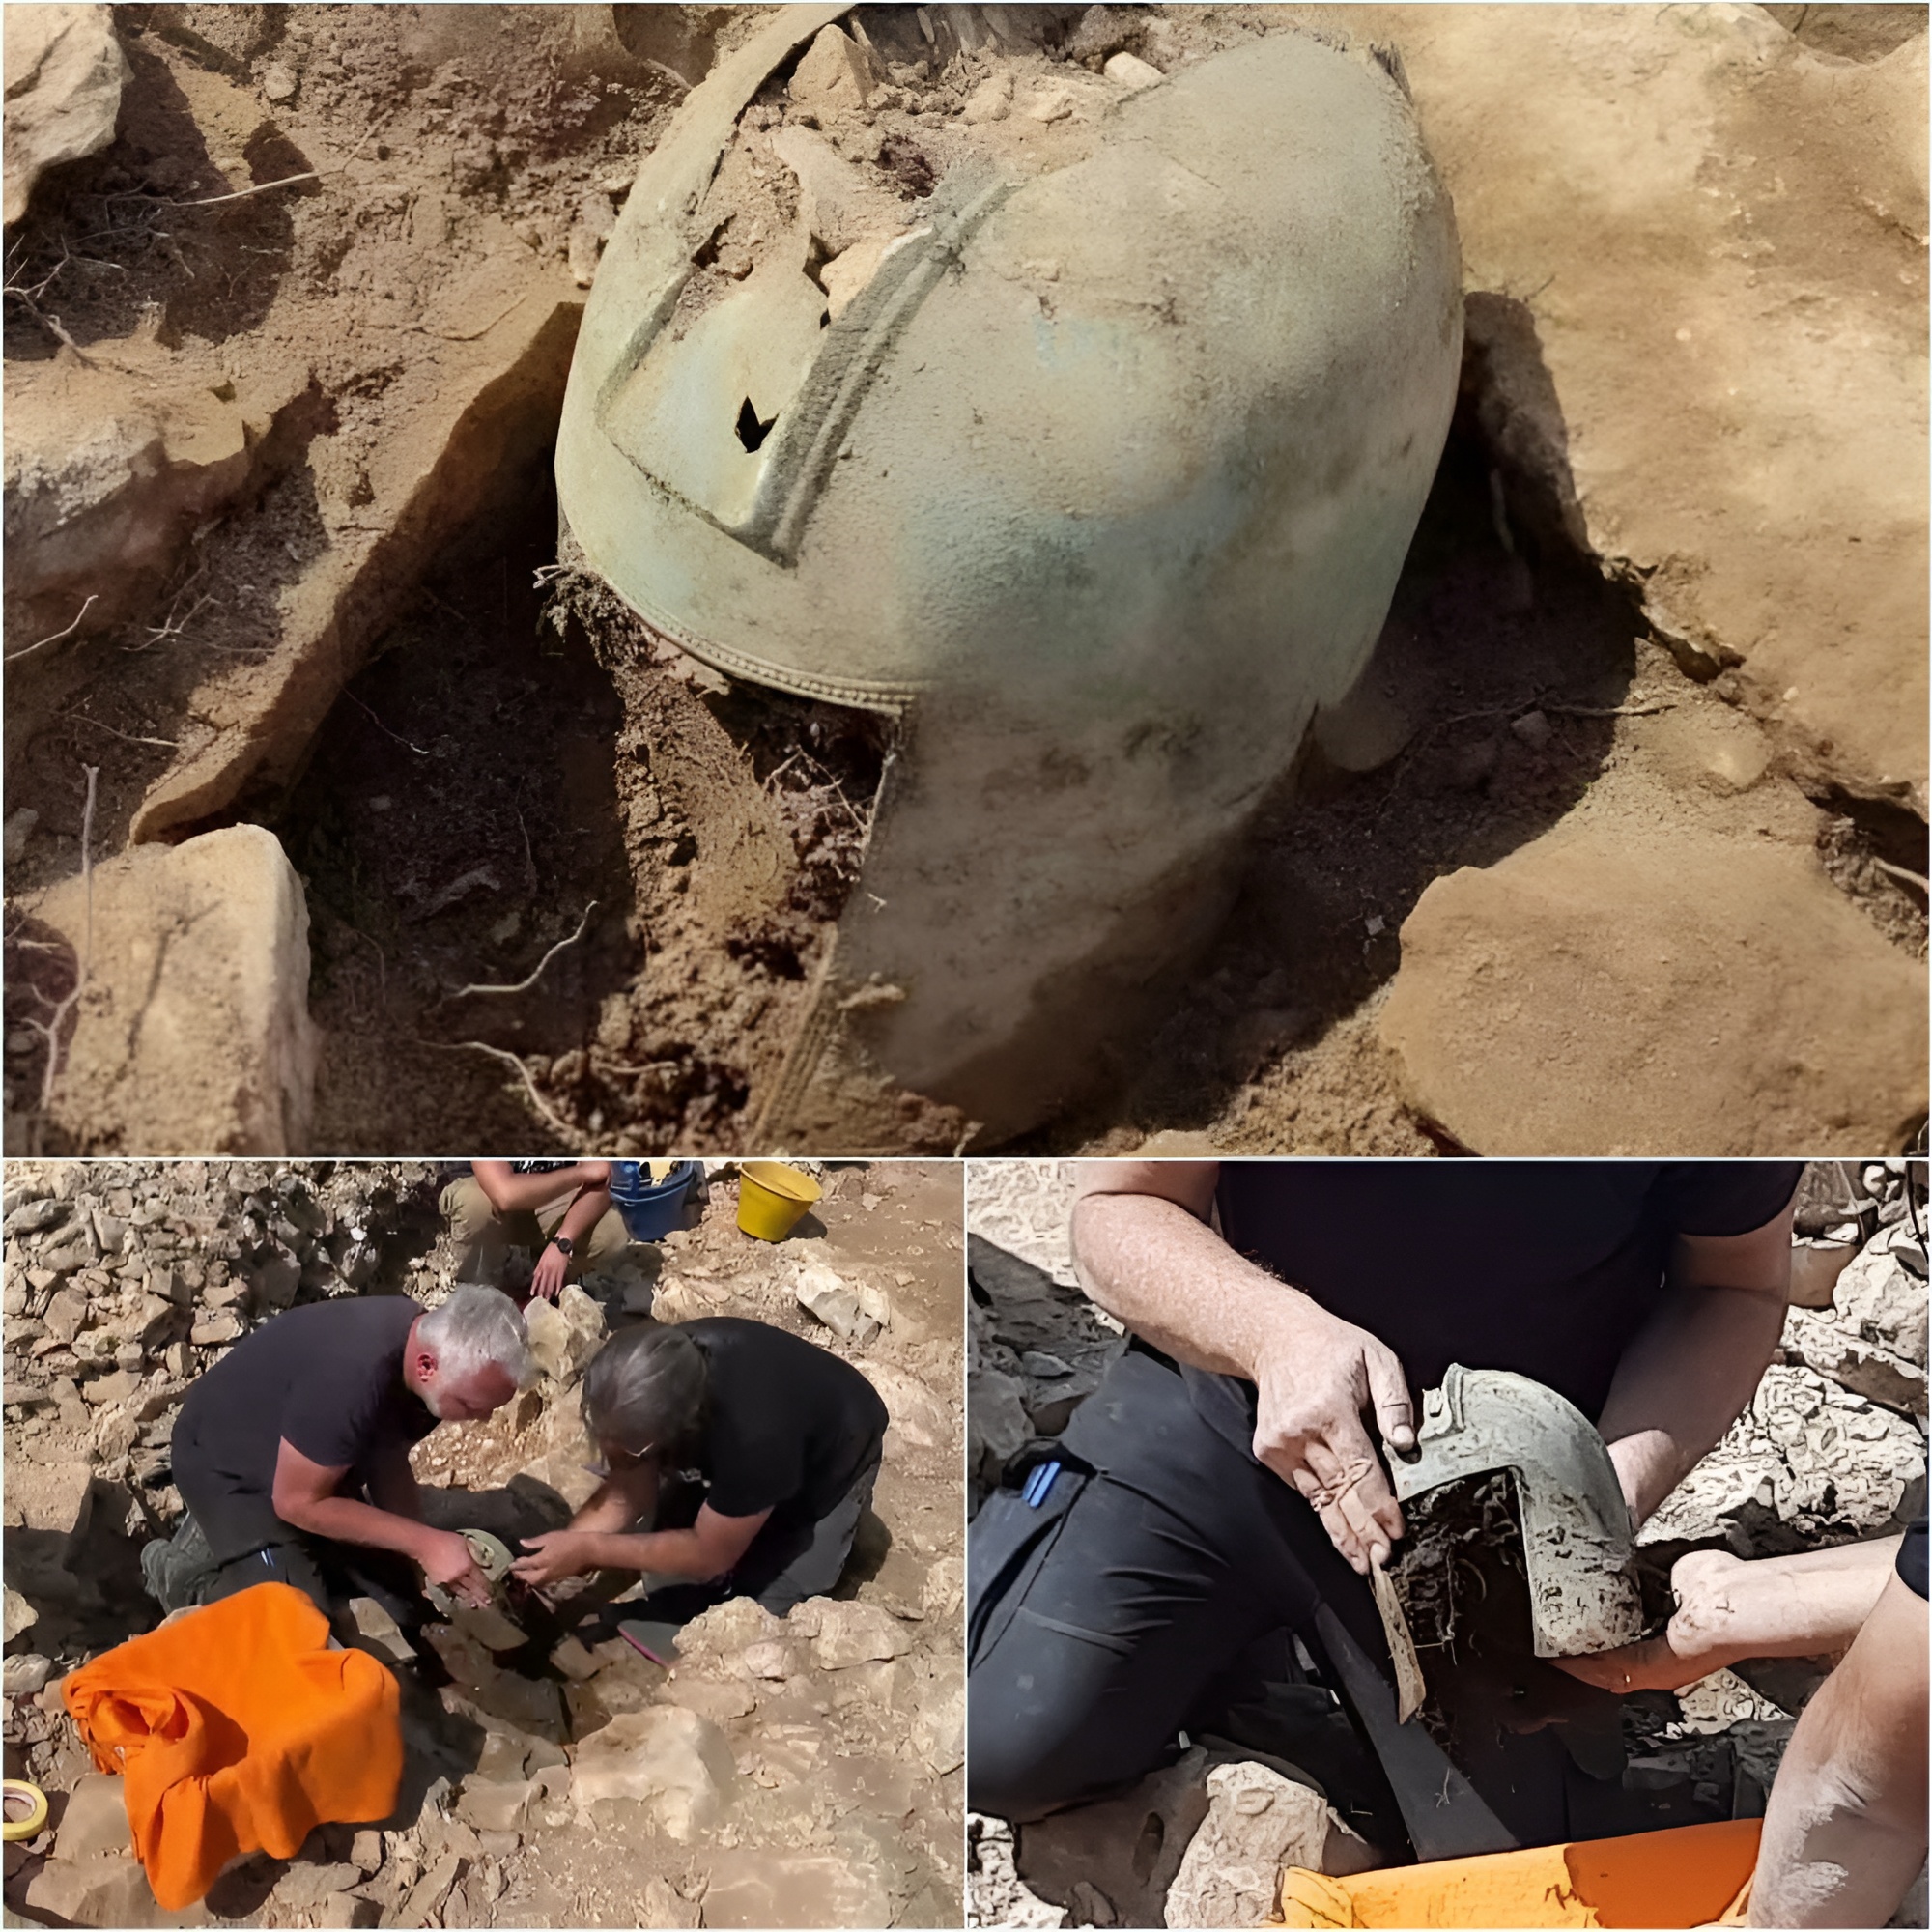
x: 235, y: 1730
x: 1694, y: 1875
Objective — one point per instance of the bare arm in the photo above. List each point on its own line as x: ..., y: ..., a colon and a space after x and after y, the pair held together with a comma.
x: 1844, y: 1834
x: 304, y: 1496
x: 1688, y: 1371
x: 1146, y: 1255
x: 624, y: 1497
x: 708, y: 1549
x: 1808, y: 1606
x: 511, y: 1193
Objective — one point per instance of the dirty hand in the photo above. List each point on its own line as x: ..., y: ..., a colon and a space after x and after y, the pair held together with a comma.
x: 547, y: 1277
x: 559, y: 1553
x: 446, y: 1559
x: 1318, y: 1376
x: 1699, y: 1639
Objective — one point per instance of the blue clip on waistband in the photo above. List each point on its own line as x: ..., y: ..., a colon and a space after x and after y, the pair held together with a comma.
x: 1040, y: 1483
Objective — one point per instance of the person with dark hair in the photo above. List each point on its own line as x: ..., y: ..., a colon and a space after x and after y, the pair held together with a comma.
x: 738, y: 1458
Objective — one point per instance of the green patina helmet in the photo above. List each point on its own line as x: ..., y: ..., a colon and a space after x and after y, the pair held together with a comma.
x: 1101, y: 475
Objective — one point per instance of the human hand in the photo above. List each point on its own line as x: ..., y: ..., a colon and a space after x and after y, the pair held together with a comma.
x: 448, y: 1560
x: 558, y: 1553
x: 547, y: 1277
x: 1700, y: 1638
x: 1316, y: 1376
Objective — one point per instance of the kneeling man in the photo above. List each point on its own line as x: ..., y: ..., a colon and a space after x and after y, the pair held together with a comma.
x: 739, y: 1458
x: 292, y: 1452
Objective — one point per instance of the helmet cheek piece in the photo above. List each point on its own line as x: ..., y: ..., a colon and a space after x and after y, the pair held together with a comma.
x: 1100, y: 485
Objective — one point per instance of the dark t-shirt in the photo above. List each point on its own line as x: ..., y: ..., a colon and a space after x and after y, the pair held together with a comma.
x: 1911, y: 1565
x: 328, y: 1377
x: 1545, y: 1267
x: 790, y: 1425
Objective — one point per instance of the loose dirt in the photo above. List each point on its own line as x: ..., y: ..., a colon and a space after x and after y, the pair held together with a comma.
x: 842, y: 1726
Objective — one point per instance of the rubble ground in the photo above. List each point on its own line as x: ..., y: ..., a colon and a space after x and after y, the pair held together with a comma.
x: 1831, y: 1450
x: 803, y: 1770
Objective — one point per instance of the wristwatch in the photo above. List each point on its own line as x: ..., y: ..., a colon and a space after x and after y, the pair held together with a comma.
x: 563, y: 1244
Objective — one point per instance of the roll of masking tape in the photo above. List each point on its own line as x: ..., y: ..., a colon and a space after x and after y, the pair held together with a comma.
x: 20, y: 1823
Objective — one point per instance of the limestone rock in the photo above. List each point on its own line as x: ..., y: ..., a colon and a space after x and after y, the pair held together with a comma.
x: 1807, y: 1457
x: 377, y: 1632
x: 1132, y: 75
x: 675, y: 1761
x: 1737, y: 430
x: 845, y: 1634
x: 1599, y: 993
x: 22, y: 1676
x: 919, y: 1419
x: 939, y: 1726
x: 193, y: 1033
x: 95, y: 1822
x: 835, y: 76
x: 1257, y: 1821
x: 996, y: 1423
x: 1872, y: 1338
x: 98, y: 1892
x: 753, y: 1886
x: 837, y: 203
x: 991, y: 101
x: 850, y: 1309
x: 110, y: 470
x: 65, y: 73
x: 565, y: 1334
x: 492, y: 1807
x: 1106, y: 1844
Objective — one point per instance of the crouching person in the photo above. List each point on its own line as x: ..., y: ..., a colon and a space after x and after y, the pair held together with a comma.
x: 292, y: 1452
x: 738, y: 1458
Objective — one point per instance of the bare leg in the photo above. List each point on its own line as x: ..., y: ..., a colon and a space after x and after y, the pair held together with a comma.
x: 1844, y: 1834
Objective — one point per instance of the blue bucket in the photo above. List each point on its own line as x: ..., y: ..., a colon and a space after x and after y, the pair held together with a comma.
x: 650, y: 1208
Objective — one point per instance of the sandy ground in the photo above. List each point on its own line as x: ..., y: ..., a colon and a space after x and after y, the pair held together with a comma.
x: 842, y: 1734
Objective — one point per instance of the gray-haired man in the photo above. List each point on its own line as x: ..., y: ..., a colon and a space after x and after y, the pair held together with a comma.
x: 292, y: 1452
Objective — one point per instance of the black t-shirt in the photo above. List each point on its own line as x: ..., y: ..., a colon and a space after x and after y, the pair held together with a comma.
x: 1911, y: 1564
x: 1545, y: 1267
x: 790, y: 1425
x: 328, y: 1377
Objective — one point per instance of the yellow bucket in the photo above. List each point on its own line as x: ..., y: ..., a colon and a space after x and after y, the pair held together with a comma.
x: 772, y: 1198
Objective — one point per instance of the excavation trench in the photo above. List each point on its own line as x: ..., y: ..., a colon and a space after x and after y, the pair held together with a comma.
x: 524, y: 787
x: 524, y: 791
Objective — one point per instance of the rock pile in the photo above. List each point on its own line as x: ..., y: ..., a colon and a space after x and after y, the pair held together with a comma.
x: 1833, y: 1446
x: 1036, y: 1347
x: 799, y: 1770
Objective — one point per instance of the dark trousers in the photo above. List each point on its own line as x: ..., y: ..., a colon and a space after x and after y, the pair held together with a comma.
x: 249, y: 1543
x: 1173, y: 1557
x: 1115, y: 1615
x: 790, y: 1560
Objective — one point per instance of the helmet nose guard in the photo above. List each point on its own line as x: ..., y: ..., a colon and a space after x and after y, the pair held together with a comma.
x: 1101, y: 483
x: 1575, y: 1527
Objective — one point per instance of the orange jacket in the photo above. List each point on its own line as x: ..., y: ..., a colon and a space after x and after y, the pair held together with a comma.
x: 235, y: 1730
